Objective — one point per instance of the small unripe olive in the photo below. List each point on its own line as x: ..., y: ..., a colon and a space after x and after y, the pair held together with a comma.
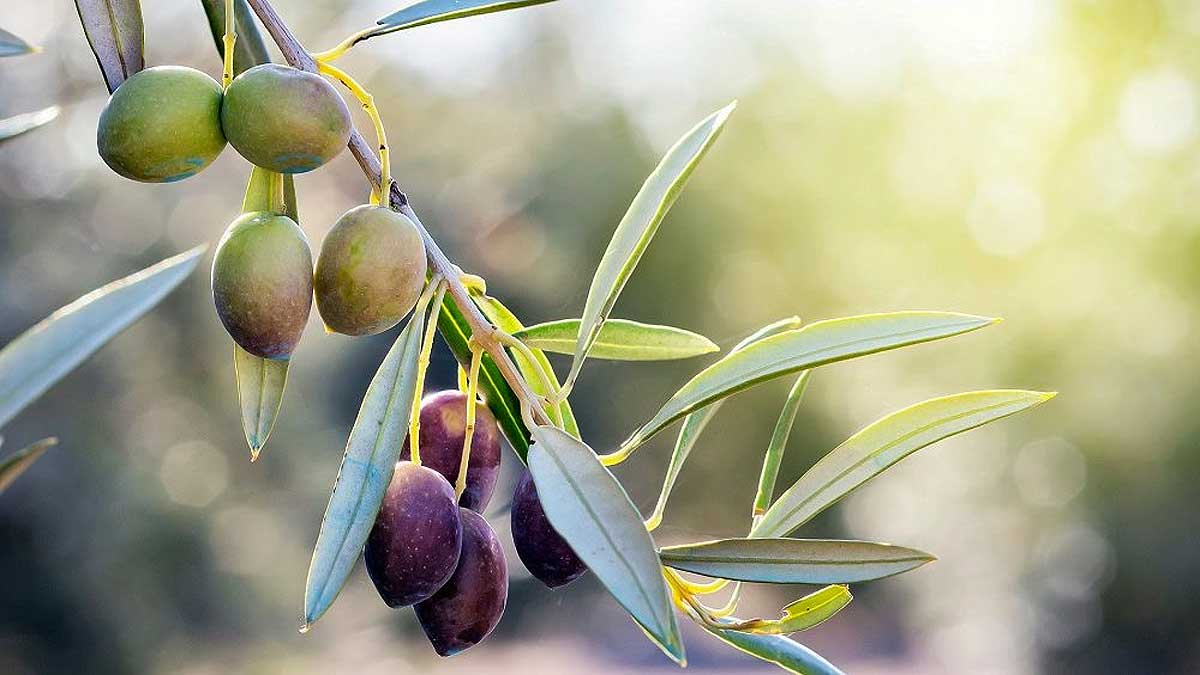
x: 161, y: 125
x: 370, y: 271
x: 284, y: 119
x: 262, y: 283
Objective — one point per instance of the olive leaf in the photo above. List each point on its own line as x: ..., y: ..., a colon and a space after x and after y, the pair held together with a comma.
x: 115, y: 32
x: 694, y: 423
x: 638, y: 226
x: 15, y: 464
x: 261, y: 382
x: 620, y: 340
x: 807, y: 612
x: 794, y: 561
x: 366, y: 470
x: 508, y: 322
x: 778, y: 444
x: 814, y: 345
x: 16, y: 125
x: 589, y: 508
x: 42, y: 355
x: 11, y: 45
x: 878, y: 446
x: 500, y: 398
x: 250, y: 49
x: 777, y: 649
x: 433, y: 11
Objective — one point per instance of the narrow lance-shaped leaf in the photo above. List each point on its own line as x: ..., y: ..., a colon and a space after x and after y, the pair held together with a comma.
x: 367, y: 467
x: 592, y: 512
x: 807, y: 612
x: 434, y: 11
x: 794, y: 561
x: 508, y: 322
x: 18, y: 124
x: 499, y: 396
x: 115, y: 32
x: 15, y: 464
x: 261, y: 382
x: 11, y: 45
x: 877, y: 447
x: 42, y: 355
x: 250, y: 49
x: 814, y: 345
x: 777, y: 649
x: 778, y: 444
x: 638, y: 226
x: 620, y: 340
x: 694, y: 424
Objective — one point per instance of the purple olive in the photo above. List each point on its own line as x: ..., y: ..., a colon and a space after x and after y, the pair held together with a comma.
x: 545, y: 553
x: 414, y: 546
x: 443, y: 429
x: 468, y: 607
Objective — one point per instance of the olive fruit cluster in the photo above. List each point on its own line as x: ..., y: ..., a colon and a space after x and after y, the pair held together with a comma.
x: 168, y: 123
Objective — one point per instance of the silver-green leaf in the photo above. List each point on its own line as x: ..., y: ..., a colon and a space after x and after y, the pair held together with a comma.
x: 17, y: 463
x: 620, y: 340
x: 115, y: 32
x: 775, y: 449
x: 590, y: 509
x: 260, y: 384
x: 11, y: 45
x: 18, y: 124
x: 694, y: 423
x: 814, y: 345
x: 779, y: 650
x: 877, y: 447
x: 794, y: 561
x: 434, y: 11
x: 42, y: 355
x: 367, y: 467
x: 638, y: 226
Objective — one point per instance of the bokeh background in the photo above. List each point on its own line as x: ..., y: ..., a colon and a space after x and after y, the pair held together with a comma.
x: 1031, y: 159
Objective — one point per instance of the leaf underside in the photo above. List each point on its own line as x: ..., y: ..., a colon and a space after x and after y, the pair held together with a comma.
x: 434, y: 11
x: 18, y: 124
x: 794, y: 561
x: 779, y: 650
x: 11, y: 45
x: 17, y: 463
x: 115, y: 32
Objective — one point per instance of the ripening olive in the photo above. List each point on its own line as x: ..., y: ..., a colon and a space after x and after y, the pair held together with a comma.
x: 545, y: 553
x: 466, y: 609
x: 284, y: 119
x: 443, y: 430
x: 161, y: 125
x: 262, y: 283
x: 370, y: 271
x: 414, y: 546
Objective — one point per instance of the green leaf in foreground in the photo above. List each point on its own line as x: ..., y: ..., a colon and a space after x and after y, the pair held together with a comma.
x: 15, y: 464
x: 367, y: 467
x: 42, y: 355
x: 260, y: 384
x: 877, y: 447
x: 783, y: 652
x: 18, y: 124
x: 816, y: 344
x: 794, y: 561
x: 620, y: 340
x: 115, y: 32
x: 807, y: 612
x: 638, y: 226
x: 694, y: 423
x: 433, y: 11
x: 11, y: 45
x: 590, y: 509
x: 250, y: 49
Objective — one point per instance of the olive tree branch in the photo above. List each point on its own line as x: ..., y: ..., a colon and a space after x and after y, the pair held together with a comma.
x: 482, y: 330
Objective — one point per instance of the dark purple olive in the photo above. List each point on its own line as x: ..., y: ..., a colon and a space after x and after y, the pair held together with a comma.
x: 468, y: 607
x: 414, y: 546
x: 545, y: 553
x: 443, y: 429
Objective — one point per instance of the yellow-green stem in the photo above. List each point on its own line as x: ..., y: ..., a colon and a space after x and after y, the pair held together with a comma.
x: 414, y: 419
x: 229, y: 42
x: 460, y: 483
x: 368, y: 104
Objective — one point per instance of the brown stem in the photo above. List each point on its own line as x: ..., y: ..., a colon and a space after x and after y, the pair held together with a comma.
x: 482, y: 331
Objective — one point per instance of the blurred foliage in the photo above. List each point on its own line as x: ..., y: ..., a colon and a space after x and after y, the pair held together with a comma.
x: 1031, y: 159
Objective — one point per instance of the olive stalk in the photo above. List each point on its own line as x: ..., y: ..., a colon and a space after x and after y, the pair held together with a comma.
x: 460, y: 483
x: 414, y: 420
x: 230, y: 40
x: 482, y: 331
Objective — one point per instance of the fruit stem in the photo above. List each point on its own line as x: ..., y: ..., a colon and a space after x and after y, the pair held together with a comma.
x: 548, y: 382
x: 481, y: 328
x: 368, y: 103
x: 460, y: 483
x: 330, y: 55
x: 414, y: 419
x: 276, y: 199
x: 230, y: 40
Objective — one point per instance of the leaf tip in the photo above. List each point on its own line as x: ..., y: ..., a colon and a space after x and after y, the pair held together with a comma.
x: 304, y: 628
